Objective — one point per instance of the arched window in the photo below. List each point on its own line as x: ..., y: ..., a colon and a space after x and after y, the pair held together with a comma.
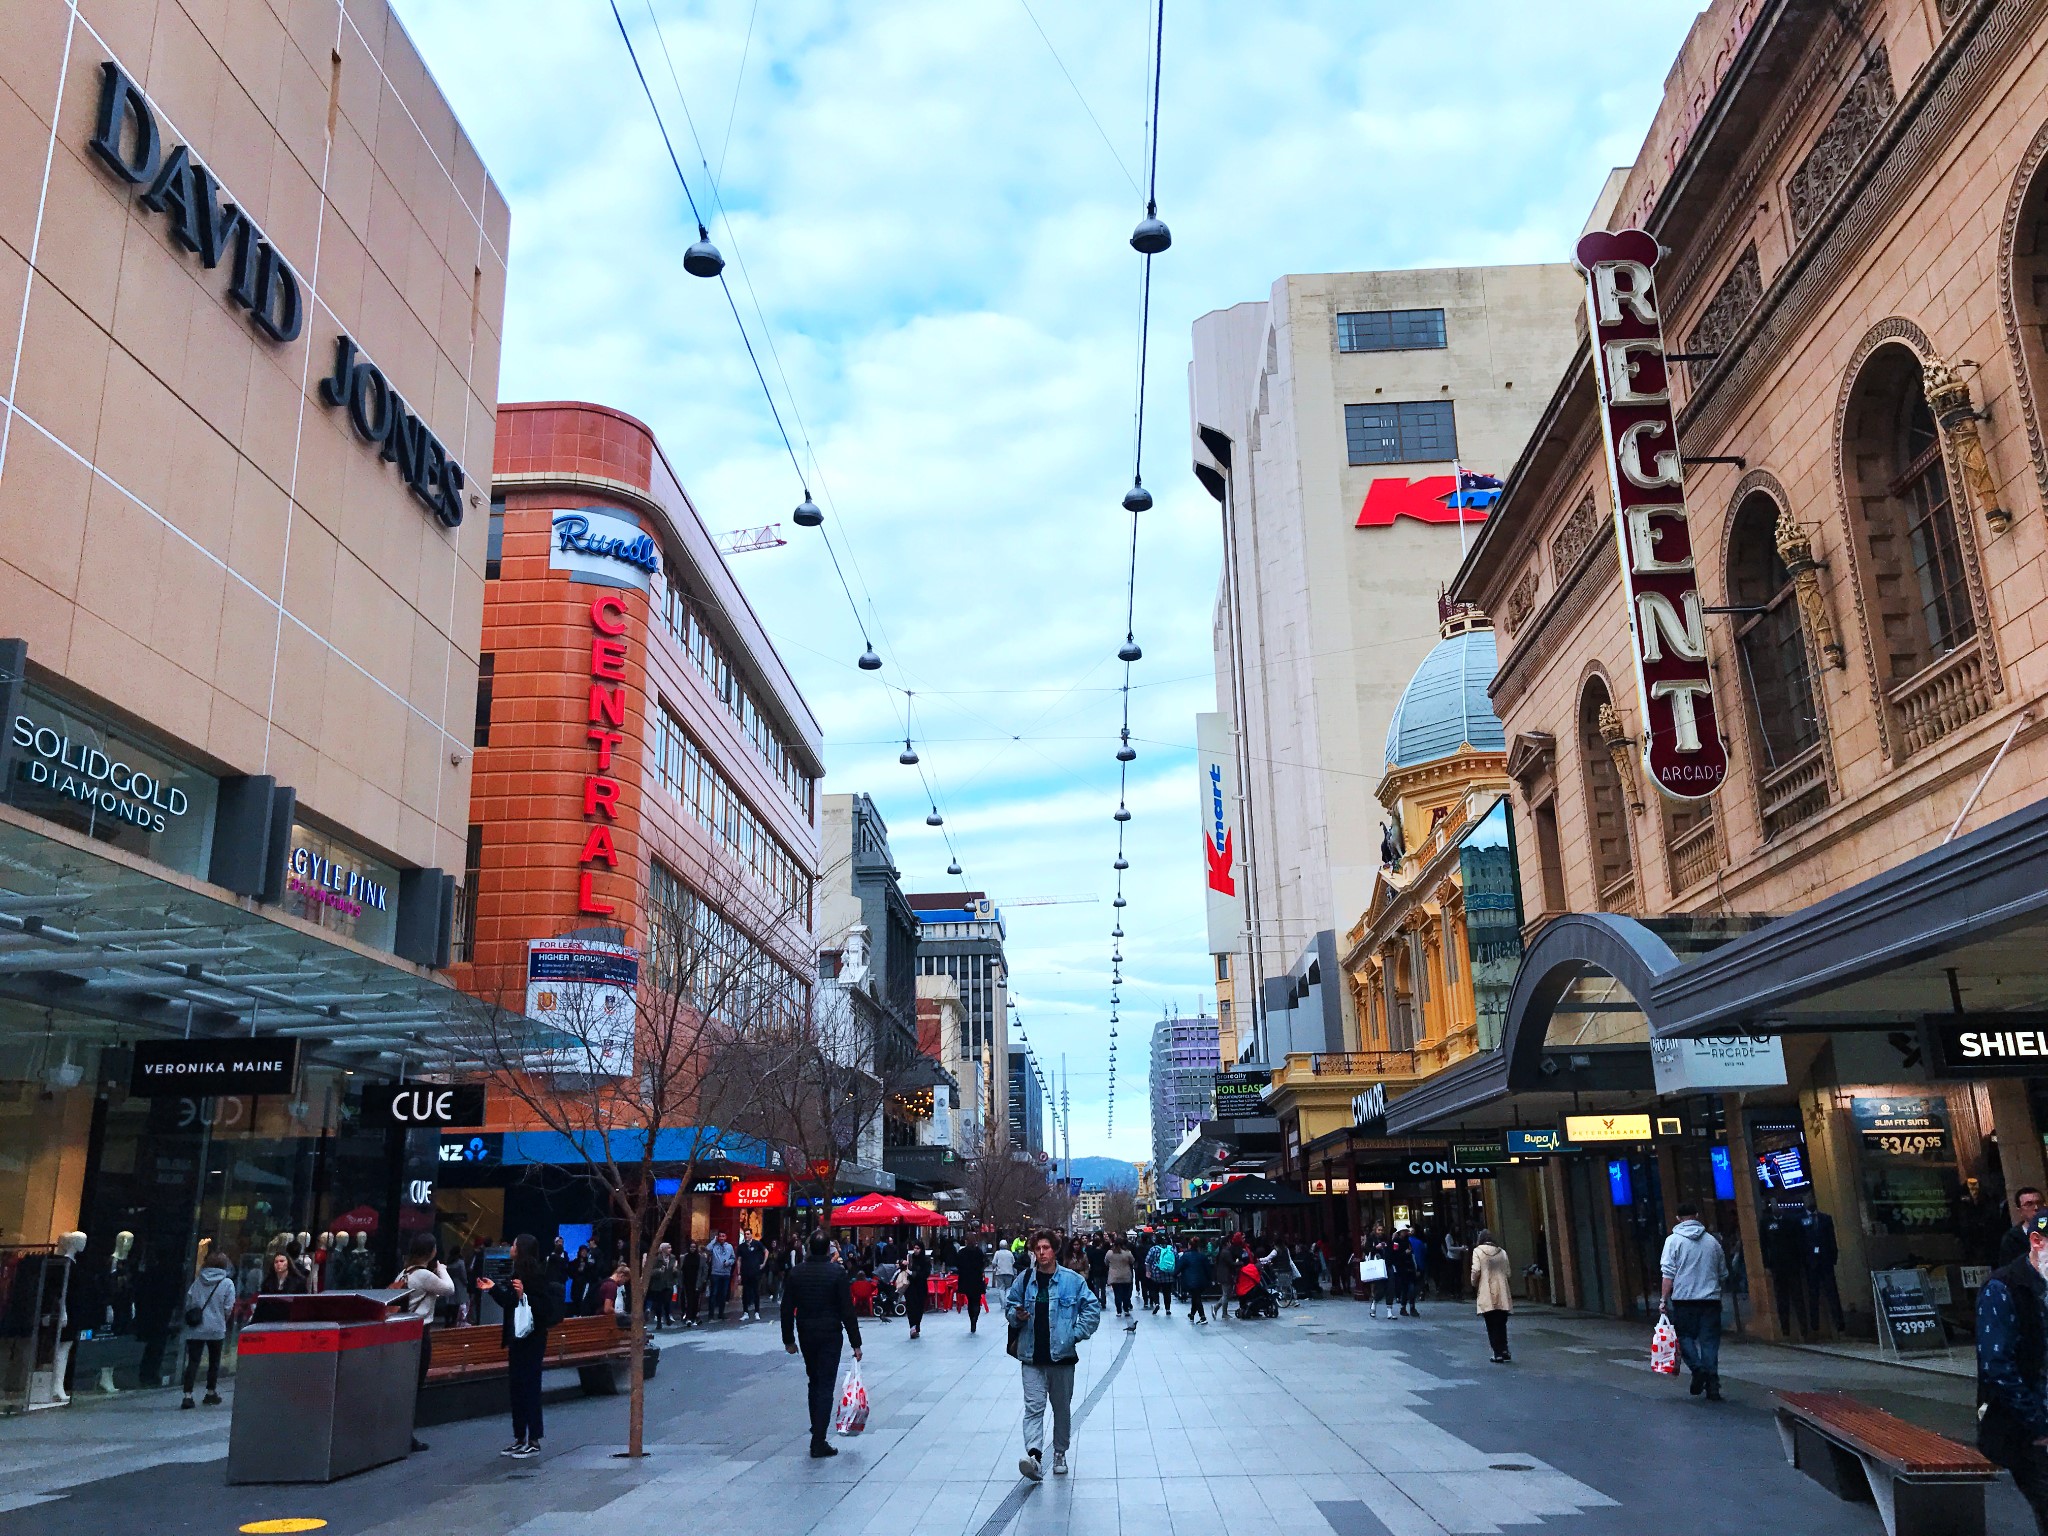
x: 1899, y: 483
x: 1606, y: 807
x: 2023, y: 288
x: 1770, y: 645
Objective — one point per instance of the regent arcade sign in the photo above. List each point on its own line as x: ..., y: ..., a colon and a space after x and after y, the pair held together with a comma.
x: 130, y: 142
x: 1681, y: 738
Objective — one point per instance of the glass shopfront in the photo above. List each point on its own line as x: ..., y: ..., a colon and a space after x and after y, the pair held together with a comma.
x: 154, y: 1185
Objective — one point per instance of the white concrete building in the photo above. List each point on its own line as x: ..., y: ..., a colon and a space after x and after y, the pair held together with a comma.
x: 1327, y: 421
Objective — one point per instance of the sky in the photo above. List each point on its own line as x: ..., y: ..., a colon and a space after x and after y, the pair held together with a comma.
x: 925, y: 207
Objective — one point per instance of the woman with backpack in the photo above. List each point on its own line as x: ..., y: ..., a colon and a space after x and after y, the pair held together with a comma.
x: 209, y: 1303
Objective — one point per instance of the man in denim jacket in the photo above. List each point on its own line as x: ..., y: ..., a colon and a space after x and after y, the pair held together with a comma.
x: 1051, y: 1310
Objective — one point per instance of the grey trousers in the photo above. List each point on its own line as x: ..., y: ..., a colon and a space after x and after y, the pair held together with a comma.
x: 1055, y: 1382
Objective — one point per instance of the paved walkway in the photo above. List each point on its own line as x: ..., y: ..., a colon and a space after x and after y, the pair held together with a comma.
x: 1323, y: 1421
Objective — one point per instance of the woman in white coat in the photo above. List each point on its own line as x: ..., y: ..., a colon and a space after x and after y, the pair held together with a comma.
x: 1490, y: 1277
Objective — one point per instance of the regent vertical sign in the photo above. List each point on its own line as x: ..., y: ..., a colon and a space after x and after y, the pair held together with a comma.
x: 1681, y: 740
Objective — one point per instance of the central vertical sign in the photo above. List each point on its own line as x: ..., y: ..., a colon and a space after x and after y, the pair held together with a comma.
x: 1681, y: 743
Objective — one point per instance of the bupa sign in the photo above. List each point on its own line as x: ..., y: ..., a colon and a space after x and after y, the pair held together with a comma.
x: 1681, y: 739
x: 407, y: 1105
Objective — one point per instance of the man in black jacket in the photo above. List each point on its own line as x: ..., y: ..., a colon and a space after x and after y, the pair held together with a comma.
x: 817, y: 1302
x: 2012, y: 1368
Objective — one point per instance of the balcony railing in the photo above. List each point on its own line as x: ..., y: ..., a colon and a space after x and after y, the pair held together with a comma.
x: 1372, y: 1064
x: 1619, y: 896
x: 1796, y: 792
x: 1694, y: 854
x: 1941, y: 698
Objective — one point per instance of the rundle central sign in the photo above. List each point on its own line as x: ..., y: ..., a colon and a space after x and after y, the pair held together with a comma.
x: 1681, y: 739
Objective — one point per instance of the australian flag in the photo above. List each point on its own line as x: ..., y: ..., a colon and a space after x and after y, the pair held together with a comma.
x: 1475, y: 492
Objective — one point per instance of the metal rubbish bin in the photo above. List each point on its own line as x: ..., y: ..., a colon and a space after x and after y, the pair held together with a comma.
x: 324, y: 1387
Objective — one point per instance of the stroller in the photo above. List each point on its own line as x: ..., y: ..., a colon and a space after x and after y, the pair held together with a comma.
x: 1258, y: 1302
x: 888, y: 1300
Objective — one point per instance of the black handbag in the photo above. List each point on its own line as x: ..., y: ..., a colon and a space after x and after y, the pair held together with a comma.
x: 1016, y: 1335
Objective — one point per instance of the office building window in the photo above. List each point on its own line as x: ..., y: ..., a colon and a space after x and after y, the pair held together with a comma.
x: 1404, y: 432
x: 684, y: 620
x: 1390, y: 330
x: 494, y: 552
x: 465, y: 898
x: 486, y: 668
x: 1223, y: 967
x: 686, y: 772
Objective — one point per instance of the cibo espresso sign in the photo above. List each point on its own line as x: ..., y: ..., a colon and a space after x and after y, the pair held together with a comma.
x: 1681, y: 739
x: 129, y: 140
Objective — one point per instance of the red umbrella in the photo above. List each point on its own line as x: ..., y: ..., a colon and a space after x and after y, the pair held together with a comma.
x: 884, y: 1211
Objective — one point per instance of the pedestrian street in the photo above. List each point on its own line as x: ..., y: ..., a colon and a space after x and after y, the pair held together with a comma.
x: 1324, y: 1420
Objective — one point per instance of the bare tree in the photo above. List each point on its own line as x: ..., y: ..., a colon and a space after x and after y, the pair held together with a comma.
x: 1120, y: 1208
x: 618, y: 1054
x: 1008, y: 1188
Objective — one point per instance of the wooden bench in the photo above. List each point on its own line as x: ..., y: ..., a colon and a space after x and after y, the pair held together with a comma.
x: 468, y: 1359
x: 1923, y: 1484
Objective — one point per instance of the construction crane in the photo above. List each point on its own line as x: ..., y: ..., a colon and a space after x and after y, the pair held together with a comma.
x: 740, y: 540
x: 1052, y: 901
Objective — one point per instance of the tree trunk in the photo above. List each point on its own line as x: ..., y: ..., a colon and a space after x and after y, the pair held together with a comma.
x: 636, y: 1360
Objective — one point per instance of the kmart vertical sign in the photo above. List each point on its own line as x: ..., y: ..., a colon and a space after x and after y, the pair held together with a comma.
x: 1222, y: 863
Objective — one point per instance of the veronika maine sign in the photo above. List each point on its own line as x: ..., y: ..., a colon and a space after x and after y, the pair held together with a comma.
x: 1681, y: 738
x: 209, y: 1068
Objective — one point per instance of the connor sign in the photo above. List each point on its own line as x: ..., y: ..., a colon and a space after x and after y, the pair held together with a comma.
x: 1681, y: 739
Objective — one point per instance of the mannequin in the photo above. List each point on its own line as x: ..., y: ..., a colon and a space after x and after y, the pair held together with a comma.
x: 303, y: 1254
x: 322, y: 1253
x: 359, y: 1263
x: 57, y: 1299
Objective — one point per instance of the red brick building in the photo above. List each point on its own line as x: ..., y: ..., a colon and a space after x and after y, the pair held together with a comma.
x: 642, y: 756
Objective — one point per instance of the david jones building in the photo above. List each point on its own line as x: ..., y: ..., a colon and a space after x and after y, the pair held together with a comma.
x: 253, y: 286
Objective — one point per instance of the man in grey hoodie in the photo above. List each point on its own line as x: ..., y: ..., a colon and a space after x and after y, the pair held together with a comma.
x: 1695, y: 1268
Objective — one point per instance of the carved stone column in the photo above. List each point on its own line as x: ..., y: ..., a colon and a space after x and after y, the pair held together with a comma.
x: 1948, y: 396
x: 1795, y: 548
x: 1621, y: 749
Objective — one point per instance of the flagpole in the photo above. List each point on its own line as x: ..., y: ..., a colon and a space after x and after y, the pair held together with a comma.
x: 1458, y: 501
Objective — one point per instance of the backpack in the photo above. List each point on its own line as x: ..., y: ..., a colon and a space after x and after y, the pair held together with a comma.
x: 1165, y: 1260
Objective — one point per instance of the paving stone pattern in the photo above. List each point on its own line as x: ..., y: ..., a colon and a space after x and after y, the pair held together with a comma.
x: 1325, y: 1420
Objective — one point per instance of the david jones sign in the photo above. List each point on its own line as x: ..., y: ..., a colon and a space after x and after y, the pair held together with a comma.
x: 1681, y: 740
x: 128, y: 140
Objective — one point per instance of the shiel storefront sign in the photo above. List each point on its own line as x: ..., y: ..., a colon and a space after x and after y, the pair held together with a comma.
x: 1681, y: 741
x: 129, y: 140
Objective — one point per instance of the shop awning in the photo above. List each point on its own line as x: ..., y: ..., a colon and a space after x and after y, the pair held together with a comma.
x: 1883, y: 952
x: 1248, y: 1195
x: 99, y: 932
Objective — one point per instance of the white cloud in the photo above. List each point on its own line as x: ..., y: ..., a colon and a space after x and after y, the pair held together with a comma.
x: 938, y: 235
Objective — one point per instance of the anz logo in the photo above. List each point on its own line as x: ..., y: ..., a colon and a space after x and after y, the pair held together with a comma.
x: 474, y: 1150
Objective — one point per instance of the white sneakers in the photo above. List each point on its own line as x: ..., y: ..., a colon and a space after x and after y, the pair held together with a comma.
x: 1031, y: 1466
x: 1059, y: 1463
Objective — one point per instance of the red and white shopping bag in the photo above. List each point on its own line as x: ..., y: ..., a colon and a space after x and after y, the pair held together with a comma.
x: 852, y: 1414
x: 1664, y: 1348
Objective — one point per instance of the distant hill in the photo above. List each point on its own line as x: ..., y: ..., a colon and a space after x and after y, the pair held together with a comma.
x: 1104, y: 1172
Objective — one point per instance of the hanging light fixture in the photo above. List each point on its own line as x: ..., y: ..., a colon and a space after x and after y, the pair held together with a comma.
x: 1118, y: 902
x: 702, y: 259
x: 1137, y: 498
x: 908, y: 756
x: 807, y: 514
x: 1151, y: 237
x: 1126, y: 753
x: 869, y: 661
x: 935, y: 819
x: 1130, y: 650
x: 1121, y: 863
x: 1122, y: 814
x: 953, y: 868
x: 1117, y: 932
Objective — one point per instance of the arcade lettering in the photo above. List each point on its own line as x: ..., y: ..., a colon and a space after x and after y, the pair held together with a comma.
x: 1681, y: 740
x: 606, y: 733
x: 128, y: 140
